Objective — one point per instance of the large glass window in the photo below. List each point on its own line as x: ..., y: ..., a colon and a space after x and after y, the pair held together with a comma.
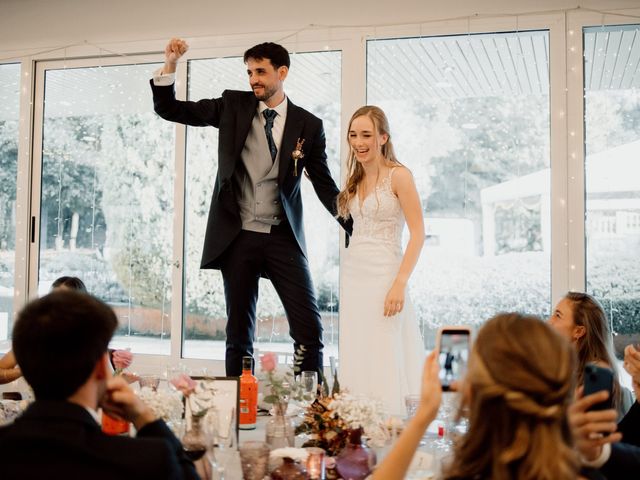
x: 106, y: 208
x: 469, y: 115
x: 313, y: 83
x: 612, y: 175
x: 9, y: 113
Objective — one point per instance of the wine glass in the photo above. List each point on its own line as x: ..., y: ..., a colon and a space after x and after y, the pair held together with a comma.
x: 151, y: 381
x: 309, y: 382
x: 175, y: 371
x: 220, y: 430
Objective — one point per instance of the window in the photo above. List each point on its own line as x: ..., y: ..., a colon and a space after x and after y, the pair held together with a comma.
x: 314, y: 83
x: 106, y: 200
x: 469, y: 115
x: 9, y: 114
x: 612, y: 173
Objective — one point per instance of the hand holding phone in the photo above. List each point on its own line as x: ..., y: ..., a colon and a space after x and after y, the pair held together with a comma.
x: 596, y: 379
x: 453, y: 343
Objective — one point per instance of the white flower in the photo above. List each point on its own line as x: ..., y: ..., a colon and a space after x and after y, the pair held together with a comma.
x: 203, y: 398
x: 296, y: 454
x: 361, y: 412
x: 165, y: 404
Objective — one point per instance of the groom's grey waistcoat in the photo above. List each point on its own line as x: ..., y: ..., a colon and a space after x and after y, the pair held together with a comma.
x: 257, y: 183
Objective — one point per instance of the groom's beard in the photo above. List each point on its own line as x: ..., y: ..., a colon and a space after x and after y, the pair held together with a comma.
x: 266, y: 94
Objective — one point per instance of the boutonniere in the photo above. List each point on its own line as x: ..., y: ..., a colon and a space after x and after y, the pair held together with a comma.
x: 297, y: 154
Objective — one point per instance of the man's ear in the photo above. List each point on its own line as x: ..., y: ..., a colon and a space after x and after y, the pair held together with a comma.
x: 102, y: 370
x: 283, y: 71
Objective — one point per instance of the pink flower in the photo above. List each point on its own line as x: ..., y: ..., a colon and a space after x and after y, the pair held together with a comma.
x: 121, y: 359
x: 184, y: 383
x: 268, y: 362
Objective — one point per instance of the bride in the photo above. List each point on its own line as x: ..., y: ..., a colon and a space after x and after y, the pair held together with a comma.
x: 381, y: 350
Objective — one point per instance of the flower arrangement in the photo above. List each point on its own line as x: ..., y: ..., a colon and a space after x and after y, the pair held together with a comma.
x: 329, y: 419
x: 200, y: 395
x: 361, y: 412
x: 184, y: 383
x: 165, y: 404
x: 121, y: 359
x: 283, y: 386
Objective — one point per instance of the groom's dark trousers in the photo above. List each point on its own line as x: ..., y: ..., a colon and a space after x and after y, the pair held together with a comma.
x: 242, y: 255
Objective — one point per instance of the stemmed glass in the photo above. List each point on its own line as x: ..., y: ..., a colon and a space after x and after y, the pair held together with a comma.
x: 220, y: 430
x: 446, y: 420
x: 309, y: 382
x: 174, y: 371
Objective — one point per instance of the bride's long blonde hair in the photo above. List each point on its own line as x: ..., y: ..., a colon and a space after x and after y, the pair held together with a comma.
x: 355, y: 172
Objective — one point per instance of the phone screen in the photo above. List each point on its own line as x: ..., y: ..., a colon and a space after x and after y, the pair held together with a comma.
x: 454, y: 355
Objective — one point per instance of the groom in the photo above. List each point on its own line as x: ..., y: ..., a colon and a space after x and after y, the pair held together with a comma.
x: 255, y: 223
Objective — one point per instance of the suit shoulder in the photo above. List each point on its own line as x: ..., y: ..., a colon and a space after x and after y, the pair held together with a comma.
x: 237, y: 95
x: 310, y: 118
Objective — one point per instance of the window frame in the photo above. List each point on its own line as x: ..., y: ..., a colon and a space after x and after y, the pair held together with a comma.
x: 566, y: 123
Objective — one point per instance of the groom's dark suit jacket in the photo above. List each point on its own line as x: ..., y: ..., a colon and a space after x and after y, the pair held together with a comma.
x: 58, y: 439
x: 232, y: 114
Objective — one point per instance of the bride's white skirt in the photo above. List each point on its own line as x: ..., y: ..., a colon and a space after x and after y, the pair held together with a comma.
x: 380, y: 357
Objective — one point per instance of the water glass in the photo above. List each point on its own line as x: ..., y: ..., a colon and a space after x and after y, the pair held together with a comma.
x: 254, y: 458
x: 309, y: 382
x: 315, y: 463
x: 152, y: 381
x: 411, y: 402
x: 174, y: 371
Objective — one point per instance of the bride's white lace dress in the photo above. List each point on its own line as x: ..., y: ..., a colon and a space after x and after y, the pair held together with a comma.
x: 380, y: 356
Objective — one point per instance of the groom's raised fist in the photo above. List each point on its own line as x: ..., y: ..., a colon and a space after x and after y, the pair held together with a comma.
x: 175, y: 49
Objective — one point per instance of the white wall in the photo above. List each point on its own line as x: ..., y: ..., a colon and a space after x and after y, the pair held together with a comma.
x: 40, y: 24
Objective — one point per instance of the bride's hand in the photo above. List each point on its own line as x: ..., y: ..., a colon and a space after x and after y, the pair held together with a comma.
x: 394, y: 301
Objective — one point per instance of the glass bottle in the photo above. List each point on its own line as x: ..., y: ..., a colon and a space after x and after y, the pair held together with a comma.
x: 356, y: 460
x: 194, y: 442
x: 113, y: 426
x: 248, y: 395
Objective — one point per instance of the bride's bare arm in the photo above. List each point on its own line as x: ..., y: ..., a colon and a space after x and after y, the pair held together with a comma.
x: 404, y: 188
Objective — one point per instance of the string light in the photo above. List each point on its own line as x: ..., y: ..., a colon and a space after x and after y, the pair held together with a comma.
x: 315, y: 27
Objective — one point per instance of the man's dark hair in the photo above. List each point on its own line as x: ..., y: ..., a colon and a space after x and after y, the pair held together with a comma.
x: 276, y: 54
x: 59, y: 338
x: 72, y: 283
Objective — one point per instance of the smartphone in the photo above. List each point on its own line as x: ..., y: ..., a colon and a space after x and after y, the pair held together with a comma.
x: 453, y: 343
x: 596, y: 379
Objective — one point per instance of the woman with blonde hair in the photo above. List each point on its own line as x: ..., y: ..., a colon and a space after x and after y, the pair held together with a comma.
x: 381, y: 351
x: 518, y: 389
x: 580, y: 318
x: 516, y: 394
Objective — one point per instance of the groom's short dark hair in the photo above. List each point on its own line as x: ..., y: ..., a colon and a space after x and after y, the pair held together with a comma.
x: 59, y: 338
x: 276, y: 54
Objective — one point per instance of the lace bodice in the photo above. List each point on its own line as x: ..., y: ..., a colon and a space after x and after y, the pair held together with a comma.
x: 379, y: 217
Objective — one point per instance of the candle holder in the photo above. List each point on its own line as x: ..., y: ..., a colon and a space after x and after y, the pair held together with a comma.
x: 315, y: 463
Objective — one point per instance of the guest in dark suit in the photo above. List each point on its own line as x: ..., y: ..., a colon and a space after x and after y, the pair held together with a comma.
x: 60, y: 341
x: 255, y: 225
x: 9, y: 369
x: 601, y: 451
